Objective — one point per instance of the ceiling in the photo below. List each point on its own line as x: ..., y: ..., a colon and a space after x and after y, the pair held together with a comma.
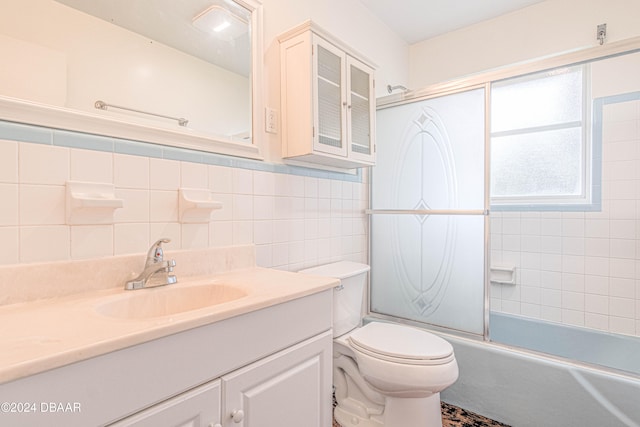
x: 417, y: 20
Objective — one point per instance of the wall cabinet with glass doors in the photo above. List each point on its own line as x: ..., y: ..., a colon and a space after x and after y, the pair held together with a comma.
x: 328, y: 101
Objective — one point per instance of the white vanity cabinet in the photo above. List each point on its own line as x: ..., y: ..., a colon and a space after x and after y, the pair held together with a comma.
x: 328, y: 100
x: 281, y: 391
x: 199, y: 407
x: 249, y: 370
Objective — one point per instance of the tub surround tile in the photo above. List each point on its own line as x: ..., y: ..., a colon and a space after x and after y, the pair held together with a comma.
x: 595, y: 252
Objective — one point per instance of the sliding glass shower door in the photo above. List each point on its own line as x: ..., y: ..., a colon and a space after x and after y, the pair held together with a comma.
x: 428, y: 210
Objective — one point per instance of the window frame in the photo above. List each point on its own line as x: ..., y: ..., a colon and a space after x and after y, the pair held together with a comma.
x: 587, y: 200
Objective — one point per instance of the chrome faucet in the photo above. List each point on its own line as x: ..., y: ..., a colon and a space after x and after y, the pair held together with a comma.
x: 155, y: 264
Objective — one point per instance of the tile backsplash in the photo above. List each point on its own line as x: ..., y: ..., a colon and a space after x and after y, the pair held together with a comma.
x: 296, y: 217
x: 45, y: 280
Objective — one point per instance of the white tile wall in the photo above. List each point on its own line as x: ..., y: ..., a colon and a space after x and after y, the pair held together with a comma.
x: 294, y: 221
x: 581, y: 268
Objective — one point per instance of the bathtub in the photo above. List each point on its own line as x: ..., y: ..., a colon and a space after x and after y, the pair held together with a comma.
x: 525, y: 388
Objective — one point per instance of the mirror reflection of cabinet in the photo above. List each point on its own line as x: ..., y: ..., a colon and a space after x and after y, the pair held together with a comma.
x: 328, y: 101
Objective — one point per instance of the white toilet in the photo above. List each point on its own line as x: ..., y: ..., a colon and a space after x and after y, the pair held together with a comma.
x: 384, y: 374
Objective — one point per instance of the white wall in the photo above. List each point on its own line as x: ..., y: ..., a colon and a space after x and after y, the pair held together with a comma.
x: 349, y: 21
x: 546, y: 28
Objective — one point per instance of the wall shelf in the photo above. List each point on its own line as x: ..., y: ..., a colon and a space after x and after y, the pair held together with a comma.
x: 91, y: 203
x: 503, y: 275
x: 196, y: 205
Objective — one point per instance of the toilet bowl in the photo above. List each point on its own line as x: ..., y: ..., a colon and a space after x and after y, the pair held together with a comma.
x: 384, y: 374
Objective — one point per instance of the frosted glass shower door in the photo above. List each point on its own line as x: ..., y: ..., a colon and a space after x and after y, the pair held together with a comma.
x: 428, y: 212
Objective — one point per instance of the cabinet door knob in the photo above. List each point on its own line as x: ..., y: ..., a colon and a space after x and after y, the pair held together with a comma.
x: 237, y: 415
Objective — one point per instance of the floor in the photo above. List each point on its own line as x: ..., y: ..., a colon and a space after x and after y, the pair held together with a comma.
x: 452, y: 416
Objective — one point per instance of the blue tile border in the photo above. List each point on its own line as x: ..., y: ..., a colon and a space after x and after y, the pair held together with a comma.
x: 70, y: 139
x: 135, y: 148
x: 615, y: 99
x: 26, y: 133
x: 64, y: 138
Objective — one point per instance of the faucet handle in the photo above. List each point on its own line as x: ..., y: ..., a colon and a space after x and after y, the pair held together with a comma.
x: 170, y: 264
x: 156, y: 254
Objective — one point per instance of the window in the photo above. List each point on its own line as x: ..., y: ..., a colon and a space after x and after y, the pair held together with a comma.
x: 540, y: 151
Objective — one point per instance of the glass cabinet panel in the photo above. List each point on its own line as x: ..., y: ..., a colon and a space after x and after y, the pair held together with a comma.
x: 330, y: 81
x: 360, y: 108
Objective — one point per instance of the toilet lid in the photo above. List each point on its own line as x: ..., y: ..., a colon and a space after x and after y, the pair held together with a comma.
x: 402, y: 344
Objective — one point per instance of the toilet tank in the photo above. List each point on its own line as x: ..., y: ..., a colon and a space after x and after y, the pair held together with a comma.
x: 348, y: 297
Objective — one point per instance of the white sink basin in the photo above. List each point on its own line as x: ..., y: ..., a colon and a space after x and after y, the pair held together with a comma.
x: 168, y: 300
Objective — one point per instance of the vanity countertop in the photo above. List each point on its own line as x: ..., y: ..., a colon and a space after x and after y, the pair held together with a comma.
x: 44, y: 334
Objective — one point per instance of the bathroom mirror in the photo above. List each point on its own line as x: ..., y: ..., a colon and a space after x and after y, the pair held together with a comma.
x: 178, y: 73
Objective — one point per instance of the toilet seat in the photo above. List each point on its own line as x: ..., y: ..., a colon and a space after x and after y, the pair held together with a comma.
x: 401, y: 344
